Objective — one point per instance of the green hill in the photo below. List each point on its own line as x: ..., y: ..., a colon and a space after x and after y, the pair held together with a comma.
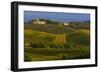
x: 55, y: 42
x: 79, y: 39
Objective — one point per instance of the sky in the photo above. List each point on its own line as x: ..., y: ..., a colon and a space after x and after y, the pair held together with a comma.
x: 56, y: 16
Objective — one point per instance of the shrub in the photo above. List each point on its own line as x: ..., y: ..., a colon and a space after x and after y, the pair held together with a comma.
x: 63, y: 56
x: 78, y: 38
x: 27, y: 58
x: 52, y: 45
x: 37, y: 45
x: 66, y: 46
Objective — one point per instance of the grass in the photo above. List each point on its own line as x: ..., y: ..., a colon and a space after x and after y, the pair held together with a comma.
x: 42, y: 54
x: 38, y: 36
x: 77, y: 39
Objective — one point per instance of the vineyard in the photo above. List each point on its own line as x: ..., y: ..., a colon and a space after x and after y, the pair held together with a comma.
x: 56, y: 42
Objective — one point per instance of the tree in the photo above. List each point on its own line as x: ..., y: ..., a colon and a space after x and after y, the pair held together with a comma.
x: 47, y: 40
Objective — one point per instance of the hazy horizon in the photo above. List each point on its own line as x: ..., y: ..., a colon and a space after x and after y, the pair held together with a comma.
x: 56, y: 16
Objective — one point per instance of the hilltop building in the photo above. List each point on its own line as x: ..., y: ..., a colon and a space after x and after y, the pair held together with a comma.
x: 66, y: 23
x: 43, y: 21
x: 39, y: 21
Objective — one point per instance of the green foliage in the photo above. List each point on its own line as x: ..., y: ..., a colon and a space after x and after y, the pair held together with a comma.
x: 80, y: 25
x: 66, y: 46
x: 37, y: 45
x: 42, y: 54
x: 53, y: 45
x: 56, y: 42
x: 27, y: 58
x: 49, y: 28
x: 78, y: 38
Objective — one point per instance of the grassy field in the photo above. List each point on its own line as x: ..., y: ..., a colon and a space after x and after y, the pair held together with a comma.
x: 52, y: 42
x: 44, y: 54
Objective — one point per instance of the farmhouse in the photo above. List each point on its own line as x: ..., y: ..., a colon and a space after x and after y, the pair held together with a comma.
x: 39, y: 21
x: 65, y: 23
